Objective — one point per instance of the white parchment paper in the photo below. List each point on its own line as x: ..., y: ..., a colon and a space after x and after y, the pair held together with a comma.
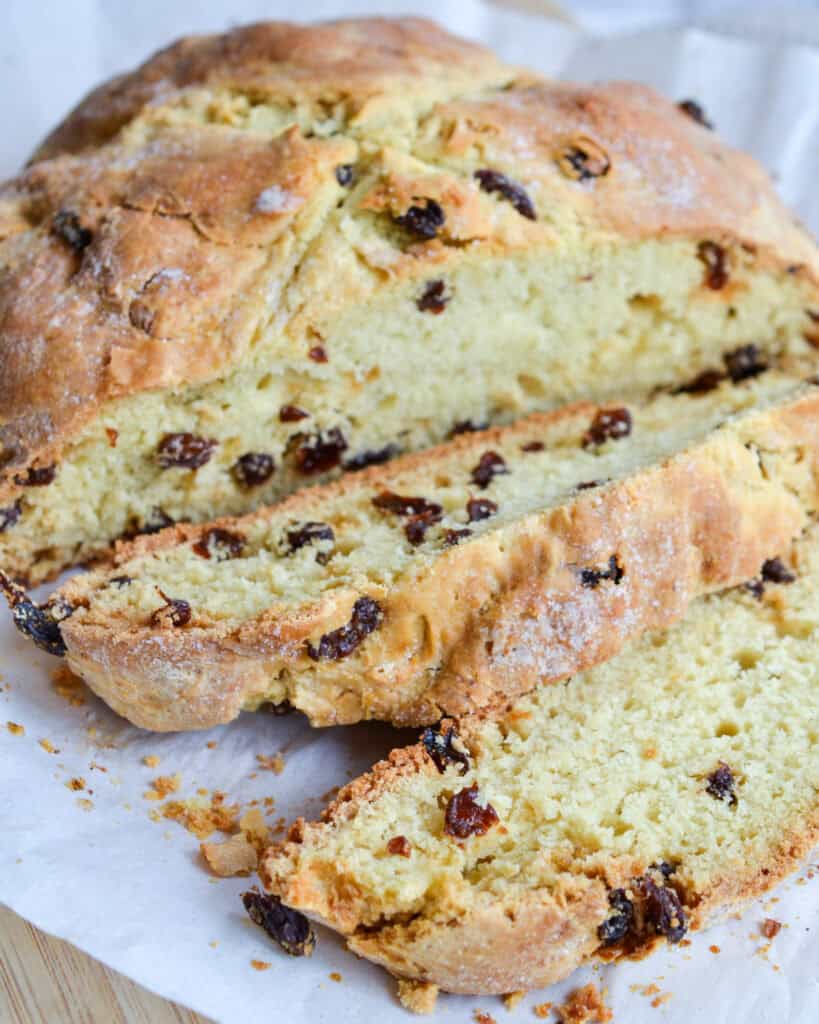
x: 132, y: 891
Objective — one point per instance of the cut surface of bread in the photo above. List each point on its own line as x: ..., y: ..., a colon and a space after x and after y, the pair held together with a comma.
x: 647, y: 796
x: 265, y: 256
x: 457, y: 577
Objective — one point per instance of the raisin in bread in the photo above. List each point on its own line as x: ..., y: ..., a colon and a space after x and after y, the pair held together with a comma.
x: 266, y: 256
x: 648, y: 796
x: 455, y: 577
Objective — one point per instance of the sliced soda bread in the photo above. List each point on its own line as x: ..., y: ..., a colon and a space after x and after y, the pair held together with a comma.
x: 456, y: 577
x: 268, y: 255
x: 645, y: 797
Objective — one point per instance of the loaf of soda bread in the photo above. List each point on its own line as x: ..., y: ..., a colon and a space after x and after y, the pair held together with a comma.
x: 644, y: 798
x: 452, y: 579
x: 268, y: 255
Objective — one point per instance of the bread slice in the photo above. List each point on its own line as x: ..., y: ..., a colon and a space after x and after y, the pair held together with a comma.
x: 454, y: 578
x: 645, y: 797
x: 268, y: 255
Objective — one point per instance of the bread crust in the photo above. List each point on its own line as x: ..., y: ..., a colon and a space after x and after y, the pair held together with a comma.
x: 518, y: 613
x: 79, y: 330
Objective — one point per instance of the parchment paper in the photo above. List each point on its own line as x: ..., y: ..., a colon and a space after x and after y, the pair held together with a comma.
x: 132, y: 891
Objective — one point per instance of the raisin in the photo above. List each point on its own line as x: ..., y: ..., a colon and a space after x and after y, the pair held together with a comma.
x: 318, y: 353
x: 464, y: 816
x: 480, y: 508
x: 290, y: 929
x: 533, y: 446
x: 372, y: 457
x: 399, y: 846
x: 618, y: 923
x: 721, y: 784
x: 774, y: 570
x: 494, y: 181
x: 608, y: 424
x: 665, y: 869
x: 10, y: 515
x: 755, y: 587
x: 424, y: 221
x: 704, y: 382
x: 157, y: 520
x: 67, y: 226
x: 345, y: 175
x: 592, y: 578
x: 187, y: 451
x: 366, y: 618
x: 440, y: 747
x: 307, y: 534
x: 453, y: 537
x: 40, y: 623
x: 433, y: 298
x: 120, y: 581
x: 744, y: 362
x: 696, y: 112
x: 582, y: 159
x: 219, y: 544
x: 174, y: 612
x: 318, y: 453
x: 716, y: 265
x: 661, y: 908
x: 489, y: 466
x: 37, y: 477
x: 253, y: 469
x: 400, y: 505
x: 292, y: 413
x: 417, y: 527
x: 587, y: 485
x: 467, y: 427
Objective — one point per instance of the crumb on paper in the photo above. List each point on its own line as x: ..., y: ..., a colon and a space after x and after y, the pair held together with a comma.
x: 77, y: 784
x: 482, y: 1017
x: 274, y: 763
x: 259, y: 965
x: 48, y: 747
x: 15, y: 729
x: 85, y: 804
x: 770, y: 927
x: 68, y: 686
x: 714, y: 949
x: 151, y: 761
x: 335, y: 976
x: 211, y: 744
x: 201, y: 818
x: 202, y: 791
x: 213, y: 943
x: 542, y: 1010
x: 162, y: 786
x: 234, y: 856
x: 584, y: 1006
x: 254, y: 827
x: 511, y: 999
x: 417, y: 996
x: 658, y: 1001
x: 97, y: 767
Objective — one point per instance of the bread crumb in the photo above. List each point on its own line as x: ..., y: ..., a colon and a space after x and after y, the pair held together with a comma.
x: 162, y: 786
x: 658, y: 1001
x: 584, y: 1006
x: 274, y: 764
x: 200, y: 818
x: 48, y: 746
x: 234, y: 856
x: 213, y: 943
x: 252, y: 825
x: 85, y: 804
x: 259, y: 965
x: 417, y: 996
x: 511, y: 999
x: 150, y: 760
x: 68, y: 686
x: 335, y: 976
x: 542, y: 1010
x: 211, y: 744
x: 15, y: 729
x: 770, y: 927
x: 714, y: 949
x: 481, y: 1017
x: 77, y: 784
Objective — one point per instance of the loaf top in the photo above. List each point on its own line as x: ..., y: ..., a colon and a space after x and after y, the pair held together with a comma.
x: 236, y: 184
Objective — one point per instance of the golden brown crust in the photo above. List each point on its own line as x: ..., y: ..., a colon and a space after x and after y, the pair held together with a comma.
x: 700, y: 521
x: 176, y: 278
